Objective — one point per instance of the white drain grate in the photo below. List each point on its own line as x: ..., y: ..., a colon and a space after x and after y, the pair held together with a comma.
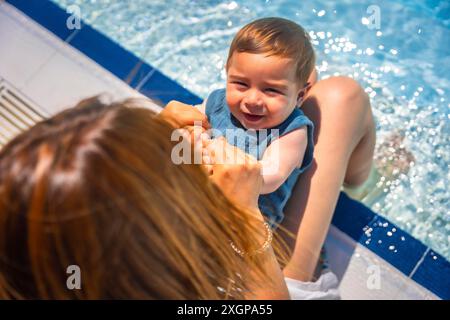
x: 17, y: 113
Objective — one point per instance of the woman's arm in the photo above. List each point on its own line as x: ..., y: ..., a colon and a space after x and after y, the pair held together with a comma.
x: 201, y: 107
x: 182, y: 115
x: 241, y: 182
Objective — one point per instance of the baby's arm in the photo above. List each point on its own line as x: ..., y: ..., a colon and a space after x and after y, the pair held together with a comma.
x: 281, y: 157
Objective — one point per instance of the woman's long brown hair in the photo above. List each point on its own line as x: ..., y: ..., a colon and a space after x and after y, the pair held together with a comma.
x: 95, y: 187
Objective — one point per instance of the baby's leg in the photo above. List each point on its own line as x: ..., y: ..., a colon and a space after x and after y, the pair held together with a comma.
x: 361, y: 158
x: 344, y: 144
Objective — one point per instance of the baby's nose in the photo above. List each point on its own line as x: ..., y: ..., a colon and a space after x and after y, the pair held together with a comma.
x: 253, y: 101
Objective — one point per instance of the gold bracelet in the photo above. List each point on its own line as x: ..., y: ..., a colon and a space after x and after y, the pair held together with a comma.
x: 263, y: 248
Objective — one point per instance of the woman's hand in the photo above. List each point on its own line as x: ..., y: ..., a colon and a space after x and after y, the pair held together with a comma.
x: 239, y: 176
x: 181, y: 115
x: 236, y: 173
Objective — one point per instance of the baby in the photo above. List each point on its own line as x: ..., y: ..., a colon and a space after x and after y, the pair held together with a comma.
x: 269, y: 69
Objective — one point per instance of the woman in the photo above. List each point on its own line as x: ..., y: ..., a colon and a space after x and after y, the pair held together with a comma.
x: 95, y: 187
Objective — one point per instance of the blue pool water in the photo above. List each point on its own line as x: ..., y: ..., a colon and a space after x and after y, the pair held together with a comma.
x: 403, y: 65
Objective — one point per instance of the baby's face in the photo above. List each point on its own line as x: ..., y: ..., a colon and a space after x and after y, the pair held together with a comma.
x: 261, y: 91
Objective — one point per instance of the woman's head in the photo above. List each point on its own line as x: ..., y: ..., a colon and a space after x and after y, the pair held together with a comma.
x: 95, y: 187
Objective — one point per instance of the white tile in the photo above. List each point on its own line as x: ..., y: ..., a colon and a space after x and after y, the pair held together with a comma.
x: 21, y: 52
x: 61, y: 83
x: 411, y: 290
x: 339, y: 250
x: 49, y: 71
x: 70, y: 76
x: 359, y: 270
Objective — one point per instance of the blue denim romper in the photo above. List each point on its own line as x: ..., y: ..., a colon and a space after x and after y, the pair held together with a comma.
x: 255, y: 142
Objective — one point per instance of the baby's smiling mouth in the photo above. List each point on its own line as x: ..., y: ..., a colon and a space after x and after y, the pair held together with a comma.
x: 252, y: 117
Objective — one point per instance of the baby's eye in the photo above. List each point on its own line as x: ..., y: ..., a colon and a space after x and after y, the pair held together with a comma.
x: 273, y: 90
x: 240, y: 83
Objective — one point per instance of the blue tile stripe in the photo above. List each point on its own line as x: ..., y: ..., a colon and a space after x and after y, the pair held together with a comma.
x: 377, y: 234
x: 435, y: 272
x: 363, y: 225
x: 47, y: 14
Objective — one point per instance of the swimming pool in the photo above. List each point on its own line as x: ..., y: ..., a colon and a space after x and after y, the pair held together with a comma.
x: 403, y: 65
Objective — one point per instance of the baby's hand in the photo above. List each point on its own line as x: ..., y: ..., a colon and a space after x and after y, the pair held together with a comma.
x: 181, y: 115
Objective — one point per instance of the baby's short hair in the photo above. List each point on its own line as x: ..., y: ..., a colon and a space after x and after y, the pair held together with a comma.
x: 278, y: 37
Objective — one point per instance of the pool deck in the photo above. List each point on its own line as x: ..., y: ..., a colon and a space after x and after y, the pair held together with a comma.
x: 52, y: 68
x: 49, y: 72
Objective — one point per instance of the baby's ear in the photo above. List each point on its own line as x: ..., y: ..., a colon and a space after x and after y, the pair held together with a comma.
x: 300, y: 96
x: 302, y: 93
